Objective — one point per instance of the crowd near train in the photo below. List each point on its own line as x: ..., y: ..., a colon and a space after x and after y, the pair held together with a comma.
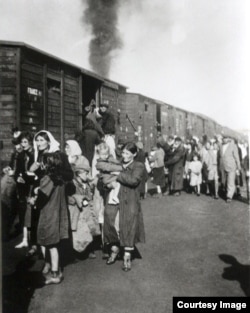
x: 89, y: 191
x: 85, y: 154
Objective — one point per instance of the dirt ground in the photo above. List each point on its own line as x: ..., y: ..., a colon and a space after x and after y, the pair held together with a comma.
x: 195, y: 246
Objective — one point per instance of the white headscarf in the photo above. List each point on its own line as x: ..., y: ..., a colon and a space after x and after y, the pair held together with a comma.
x: 75, y: 149
x: 53, y: 144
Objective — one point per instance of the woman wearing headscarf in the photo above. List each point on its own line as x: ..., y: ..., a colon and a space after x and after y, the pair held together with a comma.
x: 54, y: 171
x: 74, y: 153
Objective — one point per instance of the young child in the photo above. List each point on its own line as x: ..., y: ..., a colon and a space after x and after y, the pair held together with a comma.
x: 83, y: 218
x: 106, y: 164
x: 195, y: 167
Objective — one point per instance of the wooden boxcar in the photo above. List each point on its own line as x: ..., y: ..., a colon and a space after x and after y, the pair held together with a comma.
x: 41, y: 91
x: 139, y: 120
x: 114, y: 95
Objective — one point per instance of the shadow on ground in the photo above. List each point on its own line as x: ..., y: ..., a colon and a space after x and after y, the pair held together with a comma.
x: 19, y: 287
x: 236, y: 271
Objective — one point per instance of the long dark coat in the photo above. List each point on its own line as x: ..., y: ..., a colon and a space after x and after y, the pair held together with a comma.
x: 53, y: 224
x: 131, y: 226
x: 175, y: 165
x: 89, y: 139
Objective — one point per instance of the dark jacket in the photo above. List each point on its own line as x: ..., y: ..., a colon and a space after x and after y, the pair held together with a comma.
x: 87, y: 141
x: 175, y: 165
x: 108, y: 123
x: 131, y: 219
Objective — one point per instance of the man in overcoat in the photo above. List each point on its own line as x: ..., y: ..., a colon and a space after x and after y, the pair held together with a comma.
x: 229, y: 166
x: 175, y: 165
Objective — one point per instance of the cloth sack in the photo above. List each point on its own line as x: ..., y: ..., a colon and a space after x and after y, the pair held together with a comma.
x: 82, y: 236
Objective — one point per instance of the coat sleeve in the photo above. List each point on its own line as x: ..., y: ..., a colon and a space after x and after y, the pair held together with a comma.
x: 66, y: 171
x: 132, y: 178
x: 46, y: 186
x: 236, y: 156
x: 175, y: 158
x: 108, y: 167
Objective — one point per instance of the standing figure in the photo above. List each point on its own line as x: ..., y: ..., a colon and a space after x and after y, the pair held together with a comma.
x: 25, y: 180
x: 106, y: 164
x: 131, y: 226
x: 107, y: 123
x: 53, y: 171
x: 175, y: 164
x: 88, y: 139
x: 230, y: 166
x: 195, y: 167
x: 158, y: 169
x: 141, y: 157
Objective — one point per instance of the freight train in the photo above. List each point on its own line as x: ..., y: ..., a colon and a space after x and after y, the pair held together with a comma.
x: 41, y: 91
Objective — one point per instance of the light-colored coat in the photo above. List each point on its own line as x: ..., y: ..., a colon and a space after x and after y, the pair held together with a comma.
x: 229, y: 160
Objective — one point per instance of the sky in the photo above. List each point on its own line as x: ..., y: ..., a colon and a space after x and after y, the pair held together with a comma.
x: 192, y: 54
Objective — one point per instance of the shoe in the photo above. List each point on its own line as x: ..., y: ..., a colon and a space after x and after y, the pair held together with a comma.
x: 46, y: 268
x: 127, y: 262
x: 105, y: 256
x: 177, y: 194
x: 92, y: 255
x: 32, y: 251
x: 54, y: 278
x: 229, y: 200
x: 113, y: 255
x: 23, y: 244
x: 216, y: 197
x: 198, y: 194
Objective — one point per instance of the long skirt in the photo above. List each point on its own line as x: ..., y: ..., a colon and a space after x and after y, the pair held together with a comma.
x: 159, y: 176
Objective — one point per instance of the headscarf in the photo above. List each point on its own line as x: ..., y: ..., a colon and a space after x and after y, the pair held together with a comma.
x: 53, y: 144
x: 75, y: 149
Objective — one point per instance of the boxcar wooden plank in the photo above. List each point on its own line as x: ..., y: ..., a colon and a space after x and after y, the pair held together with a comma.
x: 33, y: 68
x: 8, y: 82
x: 7, y: 68
x: 7, y: 105
x: 7, y: 119
x: 71, y: 88
x: 7, y: 97
x: 6, y: 90
x: 7, y: 53
x: 7, y: 112
x: 32, y: 83
x: 32, y: 76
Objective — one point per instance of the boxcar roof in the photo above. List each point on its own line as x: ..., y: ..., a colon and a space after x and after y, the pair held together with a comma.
x: 22, y: 44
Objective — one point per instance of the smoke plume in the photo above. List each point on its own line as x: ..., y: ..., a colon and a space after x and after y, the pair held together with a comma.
x: 102, y: 16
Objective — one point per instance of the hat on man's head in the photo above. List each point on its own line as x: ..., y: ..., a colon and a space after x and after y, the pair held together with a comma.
x: 82, y: 167
x: 178, y: 139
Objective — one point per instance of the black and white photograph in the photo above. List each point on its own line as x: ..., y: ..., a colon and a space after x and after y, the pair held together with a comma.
x: 124, y: 156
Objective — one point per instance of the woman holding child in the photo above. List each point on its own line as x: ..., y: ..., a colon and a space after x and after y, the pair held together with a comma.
x: 131, y: 227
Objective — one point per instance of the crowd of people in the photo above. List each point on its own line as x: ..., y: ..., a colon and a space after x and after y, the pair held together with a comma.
x: 217, y: 167
x: 89, y: 191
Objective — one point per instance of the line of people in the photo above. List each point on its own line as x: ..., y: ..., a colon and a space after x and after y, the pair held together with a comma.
x: 219, y: 166
x: 87, y: 191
